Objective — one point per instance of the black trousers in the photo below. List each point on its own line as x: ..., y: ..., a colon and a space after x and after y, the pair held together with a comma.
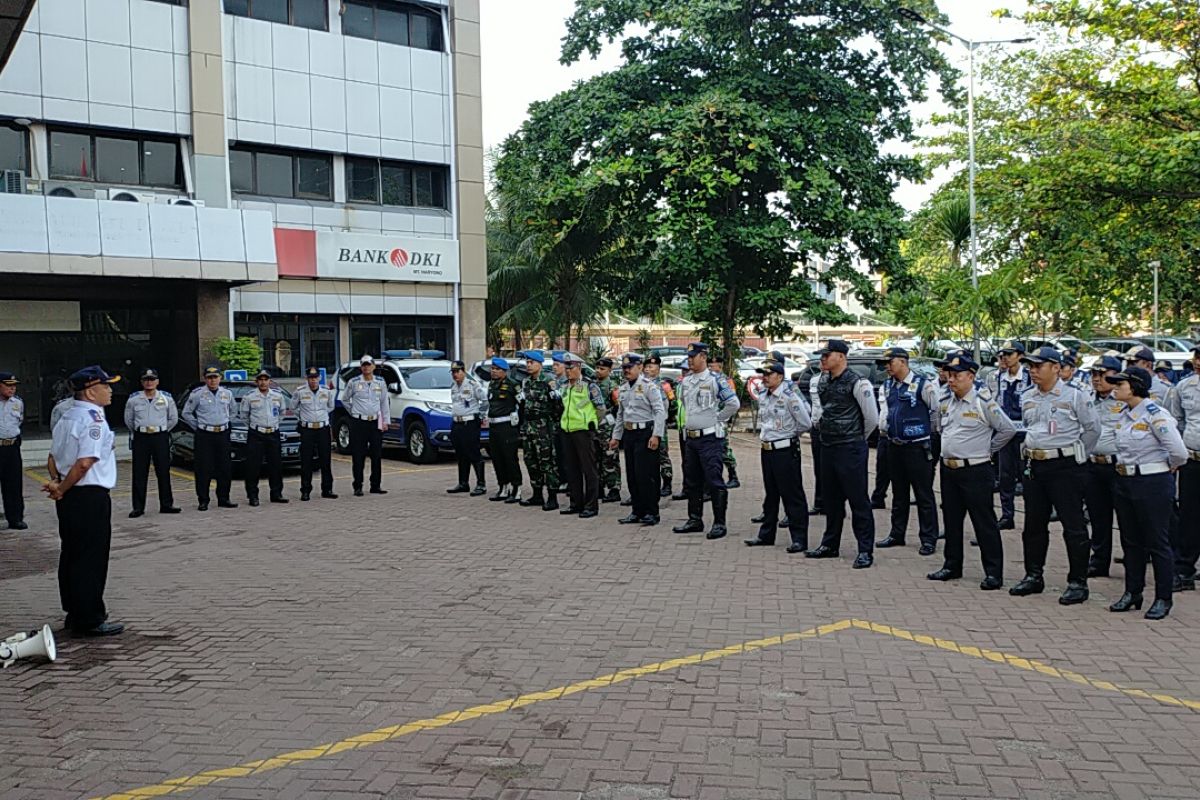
x: 11, y: 482
x: 583, y: 476
x: 911, y: 466
x: 316, y: 452
x: 1009, y: 463
x: 85, y: 528
x: 151, y: 448
x: 263, y: 448
x: 1055, y: 484
x: 465, y: 438
x: 366, y: 439
x: 503, y: 442
x: 882, y: 475
x: 1099, y: 486
x: 814, y: 442
x: 1142, y: 503
x: 1187, y: 528
x: 968, y: 490
x: 641, y: 471
x: 844, y: 479
x: 783, y: 482
x: 212, y: 460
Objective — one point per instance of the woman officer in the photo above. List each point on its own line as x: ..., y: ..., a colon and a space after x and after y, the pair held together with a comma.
x: 1149, y: 450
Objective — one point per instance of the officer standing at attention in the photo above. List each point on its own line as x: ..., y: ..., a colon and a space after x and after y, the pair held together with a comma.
x: 583, y: 406
x: 666, y: 474
x: 503, y: 434
x: 640, y: 426
x: 814, y: 441
x: 12, y: 414
x: 728, y: 459
x: 848, y: 415
x: 60, y: 409
x: 1143, y: 357
x: 83, y: 470
x: 1184, y: 405
x: 540, y: 410
x: 608, y: 459
x: 1100, y: 485
x: 365, y: 398
x: 262, y: 410
x: 559, y: 366
x: 1060, y: 430
x: 468, y: 405
x: 782, y: 416
x: 1149, y: 450
x: 150, y: 416
x: 1010, y: 381
x: 707, y: 403
x: 908, y: 421
x: 208, y: 410
x: 681, y: 430
x: 313, y: 403
x: 1072, y: 375
x: 883, y: 478
x: 974, y: 427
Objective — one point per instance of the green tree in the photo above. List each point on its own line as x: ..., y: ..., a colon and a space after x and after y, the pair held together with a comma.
x: 240, y: 353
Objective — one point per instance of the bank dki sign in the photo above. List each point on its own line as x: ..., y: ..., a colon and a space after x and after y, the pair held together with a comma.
x: 387, y: 258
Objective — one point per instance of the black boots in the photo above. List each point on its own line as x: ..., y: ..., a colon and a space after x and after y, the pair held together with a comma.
x: 733, y: 482
x: 551, y: 500
x: 534, y: 499
x: 720, y: 502
x: 695, y: 521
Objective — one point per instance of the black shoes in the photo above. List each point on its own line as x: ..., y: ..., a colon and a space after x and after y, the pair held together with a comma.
x: 253, y: 501
x: 329, y: 495
x: 991, y: 583
x: 821, y: 551
x: 797, y: 547
x: 378, y: 490
x: 304, y: 496
x: 570, y: 510
x: 136, y: 513
x: 757, y: 542
x: 628, y: 501
x: 551, y: 503
x: 612, y: 496
x: 478, y: 490
x: 890, y: 541
x: 717, y: 531
x: 784, y: 523
x: 733, y: 482
x: 226, y: 504
x: 693, y: 525
x: 458, y: 488
x: 534, y: 499
x: 1075, y: 593
x: 1096, y: 571
x: 945, y: 574
x: 1159, y: 609
x: 103, y: 629
x: 927, y: 549
x: 170, y: 510
x: 514, y: 496
x: 588, y: 513
x: 863, y: 561
x: 650, y: 520
x: 681, y: 495
x: 816, y: 511
x: 880, y: 503
x: 1183, y: 584
x: 629, y: 519
x: 359, y: 493
x: 1030, y: 584
x: 1128, y: 602
x: 1006, y: 524
x: 758, y: 519
x: 665, y: 491
x: 501, y: 494
x: 202, y: 505
x: 18, y: 526
x: 279, y: 499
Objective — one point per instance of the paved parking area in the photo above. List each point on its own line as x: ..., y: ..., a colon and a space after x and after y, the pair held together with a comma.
x: 421, y: 645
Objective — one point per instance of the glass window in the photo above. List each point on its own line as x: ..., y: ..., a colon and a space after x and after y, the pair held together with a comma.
x: 427, y: 377
x: 434, y: 334
x: 400, y: 334
x: 362, y: 180
x: 391, y: 25
x: 116, y: 160
x: 241, y: 171
x: 160, y: 164
x: 310, y: 14
x: 71, y: 155
x: 426, y: 31
x: 314, y: 177
x: 424, y: 182
x: 239, y: 8
x: 397, y: 185
x: 273, y: 175
x: 358, y: 19
x: 13, y: 149
x: 270, y: 10
x: 396, y: 23
x: 364, y: 340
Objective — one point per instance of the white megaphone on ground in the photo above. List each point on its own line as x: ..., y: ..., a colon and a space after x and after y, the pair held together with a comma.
x: 24, y: 645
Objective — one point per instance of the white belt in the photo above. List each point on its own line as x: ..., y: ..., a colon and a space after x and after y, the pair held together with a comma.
x: 1047, y: 455
x: 151, y: 429
x: 365, y: 418
x: 778, y: 444
x: 266, y: 431
x: 1194, y: 455
x: 314, y: 425
x: 9, y: 442
x: 1130, y: 470
x: 513, y: 418
x: 467, y: 418
x: 1103, y: 459
x: 213, y: 428
x: 696, y: 434
x: 638, y: 426
x: 959, y: 463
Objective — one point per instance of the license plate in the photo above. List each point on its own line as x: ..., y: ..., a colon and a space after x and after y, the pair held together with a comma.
x: 291, y: 450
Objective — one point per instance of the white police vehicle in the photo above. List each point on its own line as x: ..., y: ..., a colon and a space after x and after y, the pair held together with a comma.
x: 418, y: 384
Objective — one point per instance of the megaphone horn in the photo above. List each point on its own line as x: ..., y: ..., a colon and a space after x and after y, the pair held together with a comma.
x: 25, y: 645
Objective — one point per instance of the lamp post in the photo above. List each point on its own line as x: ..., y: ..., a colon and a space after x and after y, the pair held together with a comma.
x: 972, y: 46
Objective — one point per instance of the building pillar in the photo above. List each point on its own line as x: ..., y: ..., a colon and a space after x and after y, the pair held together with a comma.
x: 212, y: 319
x: 468, y: 155
x: 210, y: 164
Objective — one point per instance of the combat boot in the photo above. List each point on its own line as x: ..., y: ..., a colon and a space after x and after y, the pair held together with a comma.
x: 733, y: 482
x: 665, y: 491
x: 695, y: 522
x: 551, y: 500
x: 720, y: 502
x: 535, y: 499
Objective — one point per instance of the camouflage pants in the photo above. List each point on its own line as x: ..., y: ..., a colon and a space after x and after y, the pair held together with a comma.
x: 666, y: 472
x: 541, y: 462
x: 728, y: 459
x: 607, y: 461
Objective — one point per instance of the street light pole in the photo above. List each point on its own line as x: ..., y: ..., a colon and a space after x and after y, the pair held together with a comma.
x: 1155, y: 265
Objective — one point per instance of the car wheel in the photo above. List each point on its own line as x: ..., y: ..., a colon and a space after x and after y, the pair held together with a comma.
x: 341, y: 435
x: 420, y: 451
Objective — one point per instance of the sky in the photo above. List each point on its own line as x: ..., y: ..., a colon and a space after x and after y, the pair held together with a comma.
x: 522, y: 38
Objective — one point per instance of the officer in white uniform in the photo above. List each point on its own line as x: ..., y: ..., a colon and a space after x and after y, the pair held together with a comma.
x: 1100, y: 486
x: 1143, y: 357
x: 469, y: 407
x: 150, y: 416
x: 1184, y: 405
x: 262, y: 411
x: 640, y: 424
x: 313, y: 404
x: 83, y: 470
x: 60, y: 408
x: 12, y: 415
x: 208, y: 411
x: 365, y: 398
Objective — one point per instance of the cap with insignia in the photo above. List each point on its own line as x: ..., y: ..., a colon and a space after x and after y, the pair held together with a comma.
x: 1070, y: 357
x: 834, y: 346
x: 8, y: 379
x: 500, y: 363
x: 771, y: 364
x: 262, y: 373
x: 572, y: 360
x: 1164, y: 366
x: 1012, y: 346
x: 893, y: 352
x: 211, y: 371
x: 366, y: 359
x: 604, y: 362
x: 1140, y: 354
x: 1133, y: 375
x: 458, y: 366
x: 697, y: 349
x: 961, y: 363
x: 90, y: 376
x: 532, y: 355
x: 1043, y: 355
x: 149, y: 374
x: 1106, y: 363
x: 312, y: 372
x: 652, y: 359
x: 627, y: 360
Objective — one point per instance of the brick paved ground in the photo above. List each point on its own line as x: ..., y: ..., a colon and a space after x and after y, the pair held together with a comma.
x: 257, y: 632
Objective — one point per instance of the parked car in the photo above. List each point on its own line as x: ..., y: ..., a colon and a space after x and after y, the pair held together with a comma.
x: 418, y: 383
x: 483, y: 369
x: 183, y: 438
x: 1175, y: 344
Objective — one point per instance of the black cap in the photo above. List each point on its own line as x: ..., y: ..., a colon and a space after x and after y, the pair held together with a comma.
x: 1140, y: 354
x: 455, y: 366
x: 893, y: 352
x: 771, y: 364
x: 697, y: 348
x: 604, y: 362
x: 149, y: 374
x: 90, y: 376
x: 1012, y: 346
x: 1070, y: 357
x: 630, y: 360
x: 312, y: 372
x: 1042, y: 355
x: 654, y: 360
x: 1133, y: 375
x: 960, y: 362
x: 834, y: 346
x: 210, y: 371
x: 8, y: 379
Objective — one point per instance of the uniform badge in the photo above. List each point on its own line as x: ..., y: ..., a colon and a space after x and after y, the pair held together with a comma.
x: 96, y: 417
x: 94, y: 433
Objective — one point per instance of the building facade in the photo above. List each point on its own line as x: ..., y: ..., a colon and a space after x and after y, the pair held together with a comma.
x: 308, y: 173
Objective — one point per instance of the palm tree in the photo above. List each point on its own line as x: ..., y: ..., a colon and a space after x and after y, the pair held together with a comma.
x: 951, y: 223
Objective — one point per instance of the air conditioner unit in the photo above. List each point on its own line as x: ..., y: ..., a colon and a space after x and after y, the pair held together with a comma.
x: 60, y: 189
x: 126, y: 195
x: 184, y: 201
x: 12, y: 181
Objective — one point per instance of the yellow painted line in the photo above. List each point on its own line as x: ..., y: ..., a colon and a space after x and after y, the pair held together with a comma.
x: 38, y: 475
x: 209, y: 777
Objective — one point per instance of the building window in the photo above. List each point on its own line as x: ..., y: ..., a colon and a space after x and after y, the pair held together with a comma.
x: 396, y: 23
x: 395, y: 183
x: 14, y: 149
x: 301, y: 13
x: 113, y: 158
x: 281, y: 173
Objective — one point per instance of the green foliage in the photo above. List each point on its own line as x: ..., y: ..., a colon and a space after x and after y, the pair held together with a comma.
x: 240, y: 353
x: 643, y: 340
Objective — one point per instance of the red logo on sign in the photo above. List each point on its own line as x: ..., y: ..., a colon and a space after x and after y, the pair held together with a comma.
x: 398, y: 257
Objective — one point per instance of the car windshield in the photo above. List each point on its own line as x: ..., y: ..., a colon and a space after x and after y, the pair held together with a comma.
x: 427, y: 377
x: 240, y: 390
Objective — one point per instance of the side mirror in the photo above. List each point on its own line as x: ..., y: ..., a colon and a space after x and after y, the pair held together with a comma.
x: 394, y: 387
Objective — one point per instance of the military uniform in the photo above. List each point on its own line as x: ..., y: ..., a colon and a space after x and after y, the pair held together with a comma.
x: 208, y: 412
x: 728, y: 459
x: 1006, y: 389
x: 503, y: 433
x: 313, y: 408
x: 469, y: 407
x: 583, y: 407
x: 641, y: 417
x: 783, y: 417
x: 608, y: 461
x: 709, y: 404
x: 541, y: 407
x: 367, y: 403
x: 150, y: 418
x: 12, y: 415
x: 1184, y: 405
x: 1101, y: 482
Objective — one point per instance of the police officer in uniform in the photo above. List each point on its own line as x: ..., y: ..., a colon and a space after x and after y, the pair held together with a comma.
x: 1007, y: 385
x: 208, y: 410
x: 1149, y: 450
x: 849, y: 413
x: 681, y: 431
x: 150, y: 416
x: 883, y: 477
x: 83, y: 470
x: 1072, y: 375
x: 814, y: 442
x: 728, y: 458
x: 608, y: 460
x: 503, y: 433
x: 666, y: 473
x: 708, y: 404
x: 908, y: 420
x: 583, y: 407
x: 639, y: 428
x: 262, y: 410
x: 541, y: 408
x: 782, y: 416
x: 559, y: 367
x: 1143, y: 357
x: 12, y: 414
x: 469, y: 406
x: 365, y: 398
x: 1060, y: 429
x: 1100, y: 486
x: 59, y: 410
x: 1184, y: 405
x: 313, y: 403
x: 974, y: 427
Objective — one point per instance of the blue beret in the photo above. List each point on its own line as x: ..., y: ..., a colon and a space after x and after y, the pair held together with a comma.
x: 533, y: 355
x: 500, y: 363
